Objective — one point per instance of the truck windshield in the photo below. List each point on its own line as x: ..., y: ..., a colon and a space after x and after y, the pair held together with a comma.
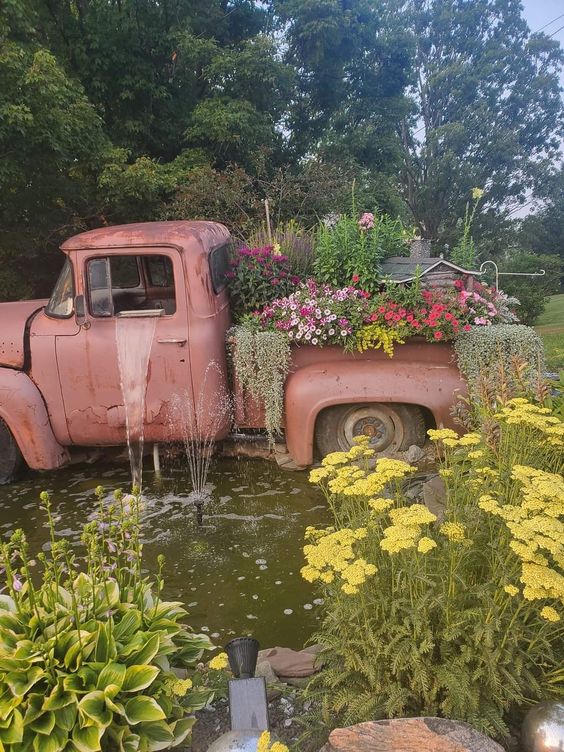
x: 60, y: 304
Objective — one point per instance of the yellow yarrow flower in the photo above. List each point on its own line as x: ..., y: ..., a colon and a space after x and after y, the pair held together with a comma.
x: 477, y: 193
x: 380, y: 505
x: 426, y: 544
x: 454, y: 531
x: 511, y: 590
x: 550, y: 614
x: 219, y: 662
x: 264, y: 745
x: 440, y: 434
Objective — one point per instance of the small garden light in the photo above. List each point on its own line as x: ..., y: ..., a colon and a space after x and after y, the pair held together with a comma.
x: 243, y: 653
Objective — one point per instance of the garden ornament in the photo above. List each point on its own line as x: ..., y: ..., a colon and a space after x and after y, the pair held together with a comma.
x: 543, y: 728
x: 247, y: 699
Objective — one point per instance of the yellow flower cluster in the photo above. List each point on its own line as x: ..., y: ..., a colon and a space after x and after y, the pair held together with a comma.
x: 537, y: 531
x: 178, y: 687
x: 376, y: 336
x: 511, y: 590
x: 405, y: 532
x: 380, y: 505
x: 264, y: 745
x: 520, y: 411
x: 219, y: 662
x: 332, y: 555
x: 550, y: 614
x: 454, y: 531
x: 450, y: 438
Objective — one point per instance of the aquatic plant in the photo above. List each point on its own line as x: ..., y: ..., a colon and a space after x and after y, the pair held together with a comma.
x: 88, y: 646
x: 459, y: 617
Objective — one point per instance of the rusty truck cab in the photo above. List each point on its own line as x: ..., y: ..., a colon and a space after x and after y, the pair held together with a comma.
x: 175, y: 267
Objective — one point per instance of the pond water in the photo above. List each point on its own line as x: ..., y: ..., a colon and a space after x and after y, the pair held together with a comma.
x: 237, y: 573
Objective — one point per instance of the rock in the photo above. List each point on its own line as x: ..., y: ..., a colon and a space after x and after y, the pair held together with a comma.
x: 414, y: 453
x: 434, y: 496
x: 289, y: 663
x: 410, y: 735
x: 265, y: 669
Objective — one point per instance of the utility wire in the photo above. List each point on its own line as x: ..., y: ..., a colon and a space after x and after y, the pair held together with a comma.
x: 549, y: 23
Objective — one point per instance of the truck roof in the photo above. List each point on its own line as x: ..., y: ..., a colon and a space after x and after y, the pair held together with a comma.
x: 184, y: 235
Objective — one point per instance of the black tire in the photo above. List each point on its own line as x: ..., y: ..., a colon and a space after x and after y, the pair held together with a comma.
x: 10, y: 455
x: 393, y: 427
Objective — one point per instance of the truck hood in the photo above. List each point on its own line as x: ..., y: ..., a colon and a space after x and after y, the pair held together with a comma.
x: 13, y: 318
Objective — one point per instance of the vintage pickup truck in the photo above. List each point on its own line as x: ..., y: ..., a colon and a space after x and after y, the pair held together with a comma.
x: 59, y: 377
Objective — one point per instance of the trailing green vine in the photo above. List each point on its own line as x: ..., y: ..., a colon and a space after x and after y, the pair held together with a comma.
x: 262, y: 362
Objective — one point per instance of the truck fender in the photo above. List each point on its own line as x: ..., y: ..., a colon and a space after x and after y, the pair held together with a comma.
x: 313, y: 388
x: 24, y: 412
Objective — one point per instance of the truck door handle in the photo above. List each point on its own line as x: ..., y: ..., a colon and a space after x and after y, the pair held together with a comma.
x: 180, y: 342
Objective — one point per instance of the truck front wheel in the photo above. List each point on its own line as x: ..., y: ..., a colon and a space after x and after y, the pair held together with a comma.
x: 391, y: 427
x: 10, y: 455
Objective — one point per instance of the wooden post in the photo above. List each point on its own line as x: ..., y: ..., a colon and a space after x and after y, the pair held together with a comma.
x: 268, y: 227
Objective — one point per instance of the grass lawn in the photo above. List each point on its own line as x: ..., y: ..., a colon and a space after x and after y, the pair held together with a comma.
x: 550, y: 326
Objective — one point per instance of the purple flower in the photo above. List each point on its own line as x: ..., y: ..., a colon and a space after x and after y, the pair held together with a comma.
x: 17, y: 583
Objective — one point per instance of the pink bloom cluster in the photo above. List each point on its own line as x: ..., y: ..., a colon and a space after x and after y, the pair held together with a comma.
x: 366, y: 222
x: 316, y: 314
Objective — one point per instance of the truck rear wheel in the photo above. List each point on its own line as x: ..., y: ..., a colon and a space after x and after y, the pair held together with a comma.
x: 10, y: 455
x: 391, y: 427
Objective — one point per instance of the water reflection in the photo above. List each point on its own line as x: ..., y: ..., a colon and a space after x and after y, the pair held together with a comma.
x: 237, y: 572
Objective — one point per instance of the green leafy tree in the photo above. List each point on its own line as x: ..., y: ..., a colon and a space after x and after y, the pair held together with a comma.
x: 486, y: 111
x: 541, y: 232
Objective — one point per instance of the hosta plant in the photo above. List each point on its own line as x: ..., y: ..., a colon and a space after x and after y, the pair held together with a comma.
x: 88, y: 647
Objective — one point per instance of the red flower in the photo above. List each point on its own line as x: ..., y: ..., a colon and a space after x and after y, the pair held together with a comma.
x: 438, y: 335
x: 382, y: 309
x: 409, y: 317
x: 467, y: 327
x: 449, y: 316
x: 355, y: 278
x: 388, y: 316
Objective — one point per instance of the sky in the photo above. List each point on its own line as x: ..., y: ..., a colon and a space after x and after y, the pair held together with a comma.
x: 541, y: 12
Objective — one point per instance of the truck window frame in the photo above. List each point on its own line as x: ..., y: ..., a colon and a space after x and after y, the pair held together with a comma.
x: 218, y: 285
x: 143, y: 280
x: 66, y: 266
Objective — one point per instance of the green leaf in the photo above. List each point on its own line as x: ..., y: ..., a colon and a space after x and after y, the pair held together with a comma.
x: 146, y: 653
x: 13, y: 734
x: 55, y: 742
x: 143, y: 709
x: 158, y: 735
x: 58, y: 698
x: 34, y: 708
x: 128, y: 625
x: 87, y: 739
x: 20, y: 684
x: 7, y: 604
x: 93, y: 707
x: 181, y: 730
x: 65, y: 717
x: 44, y: 724
x: 105, y: 650
x: 113, y: 673
x: 139, y: 677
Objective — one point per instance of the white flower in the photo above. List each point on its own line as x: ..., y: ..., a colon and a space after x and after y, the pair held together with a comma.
x: 331, y: 332
x: 307, y: 335
x: 343, y: 333
x: 314, y: 341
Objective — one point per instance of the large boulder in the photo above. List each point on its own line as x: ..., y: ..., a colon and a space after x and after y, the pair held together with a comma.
x: 410, y: 735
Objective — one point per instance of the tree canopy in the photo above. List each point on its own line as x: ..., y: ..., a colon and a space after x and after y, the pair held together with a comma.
x: 128, y: 110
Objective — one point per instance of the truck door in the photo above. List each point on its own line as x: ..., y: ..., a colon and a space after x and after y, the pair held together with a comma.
x: 114, y: 284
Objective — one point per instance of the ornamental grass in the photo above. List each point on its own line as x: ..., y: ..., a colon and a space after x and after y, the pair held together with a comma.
x: 460, y: 617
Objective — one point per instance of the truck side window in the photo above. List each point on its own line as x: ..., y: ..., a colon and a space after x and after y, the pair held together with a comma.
x: 130, y: 283
x: 61, y: 302
x: 219, y: 266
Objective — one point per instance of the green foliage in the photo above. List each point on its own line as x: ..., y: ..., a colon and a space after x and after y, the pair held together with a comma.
x: 293, y: 241
x: 349, y: 248
x: 460, y: 618
x: 506, y: 352
x: 257, y: 276
x: 551, y: 330
x: 464, y: 252
x: 532, y: 292
x: 486, y: 111
x: 89, y: 647
x: 262, y: 361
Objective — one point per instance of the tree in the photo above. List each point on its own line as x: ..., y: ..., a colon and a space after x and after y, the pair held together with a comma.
x: 51, y: 139
x: 541, y: 232
x: 486, y: 110
x: 351, y: 67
